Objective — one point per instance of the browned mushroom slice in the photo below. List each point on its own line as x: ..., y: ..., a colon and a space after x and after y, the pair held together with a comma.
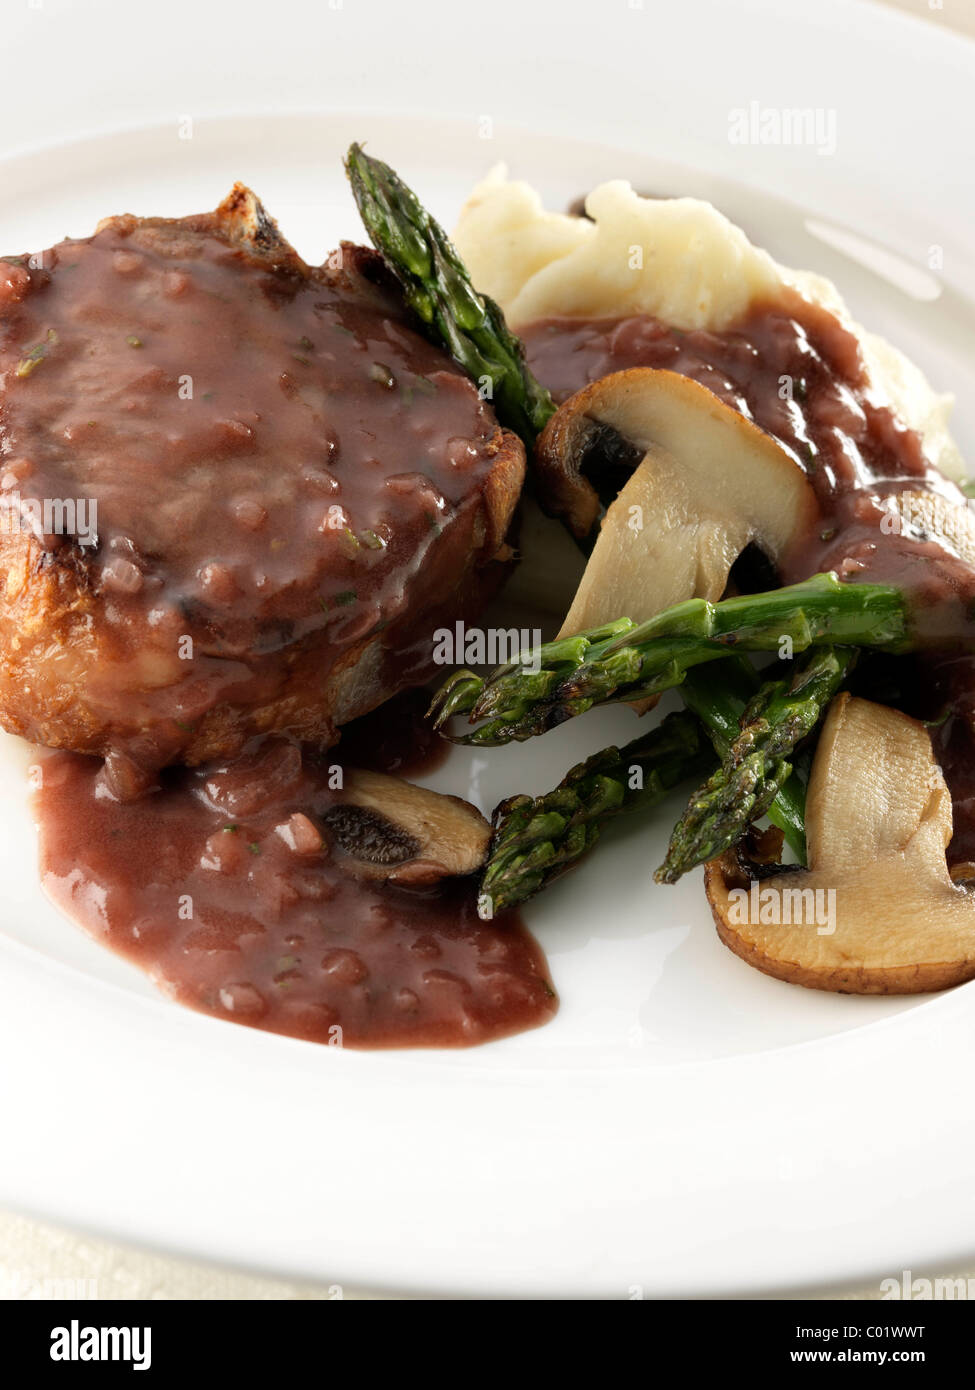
x: 710, y: 482
x: 876, y: 912
x: 395, y: 830
x: 936, y: 516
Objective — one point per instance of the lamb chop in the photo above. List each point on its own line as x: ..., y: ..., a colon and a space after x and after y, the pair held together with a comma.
x: 239, y: 493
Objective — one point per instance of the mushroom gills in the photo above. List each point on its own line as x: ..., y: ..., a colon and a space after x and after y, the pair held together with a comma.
x: 387, y: 828
x: 709, y: 483
x: 878, y: 912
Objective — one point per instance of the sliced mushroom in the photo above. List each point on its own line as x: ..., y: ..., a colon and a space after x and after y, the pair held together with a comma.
x: 877, y: 911
x: 941, y: 517
x: 394, y: 830
x: 709, y: 483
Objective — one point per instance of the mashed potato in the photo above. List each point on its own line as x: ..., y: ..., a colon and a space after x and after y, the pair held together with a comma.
x: 678, y: 259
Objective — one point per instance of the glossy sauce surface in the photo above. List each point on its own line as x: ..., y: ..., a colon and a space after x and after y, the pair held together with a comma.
x: 791, y: 367
x: 856, y: 452
x: 276, y: 457
x: 268, y: 448
x: 228, y: 888
x: 283, y: 470
x: 295, y: 942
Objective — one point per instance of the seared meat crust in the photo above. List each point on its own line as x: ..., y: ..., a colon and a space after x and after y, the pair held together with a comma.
x: 177, y: 637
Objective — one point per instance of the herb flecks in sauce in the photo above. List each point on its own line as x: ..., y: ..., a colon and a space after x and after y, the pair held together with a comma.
x: 177, y: 341
x: 855, y: 449
x: 223, y: 915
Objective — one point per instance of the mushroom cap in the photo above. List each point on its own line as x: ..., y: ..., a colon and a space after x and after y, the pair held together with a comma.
x: 391, y: 829
x: 878, y: 912
x: 709, y: 483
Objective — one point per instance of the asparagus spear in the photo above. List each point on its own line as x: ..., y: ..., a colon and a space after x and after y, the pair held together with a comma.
x: 624, y: 661
x: 757, y: 764
x: 537, y: 839
x: 719, y: 705
x: 438, y: 288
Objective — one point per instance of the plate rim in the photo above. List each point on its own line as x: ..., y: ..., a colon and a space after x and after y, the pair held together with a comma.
x: 47, y: 1165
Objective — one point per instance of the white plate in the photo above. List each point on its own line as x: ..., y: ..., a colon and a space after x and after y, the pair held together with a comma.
x: 684, y: 1125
